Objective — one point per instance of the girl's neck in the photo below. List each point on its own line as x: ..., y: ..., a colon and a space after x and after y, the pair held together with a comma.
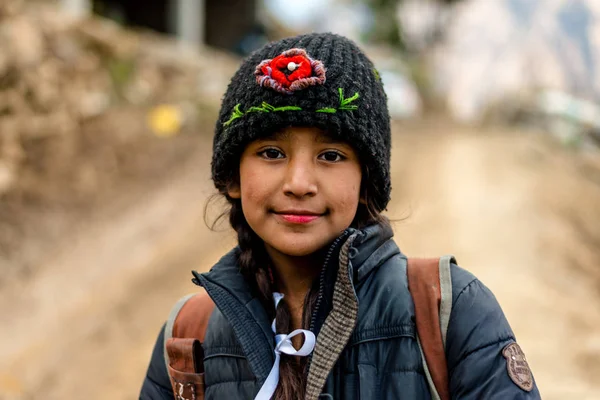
x: 294, y: 277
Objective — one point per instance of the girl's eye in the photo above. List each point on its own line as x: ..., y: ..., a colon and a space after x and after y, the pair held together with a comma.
x: 271, y: 154
x: 332, y: 156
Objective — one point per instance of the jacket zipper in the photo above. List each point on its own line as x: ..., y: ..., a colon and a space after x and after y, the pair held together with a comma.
x: 313, y: 318
x: 322, y: 280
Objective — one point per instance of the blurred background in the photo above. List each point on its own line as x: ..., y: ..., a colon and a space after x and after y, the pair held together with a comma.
x: 107, y: 109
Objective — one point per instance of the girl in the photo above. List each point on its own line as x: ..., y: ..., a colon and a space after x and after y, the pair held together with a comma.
x: 314, y: 301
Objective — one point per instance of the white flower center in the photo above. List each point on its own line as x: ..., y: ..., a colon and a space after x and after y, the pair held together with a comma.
x: 292, y: 66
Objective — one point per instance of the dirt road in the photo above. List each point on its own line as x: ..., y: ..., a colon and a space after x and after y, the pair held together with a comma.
x: 517, y: 210
x: 522, y: 214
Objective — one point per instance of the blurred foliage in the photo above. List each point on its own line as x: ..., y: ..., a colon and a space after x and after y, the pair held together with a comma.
x: 121, y: 72
x: 386, y: 28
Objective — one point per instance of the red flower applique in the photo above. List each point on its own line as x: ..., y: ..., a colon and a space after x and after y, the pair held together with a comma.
x: 292, y: 70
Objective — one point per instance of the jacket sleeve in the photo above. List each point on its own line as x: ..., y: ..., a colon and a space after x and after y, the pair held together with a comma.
x: 157, y: 385
x: 477, y: 334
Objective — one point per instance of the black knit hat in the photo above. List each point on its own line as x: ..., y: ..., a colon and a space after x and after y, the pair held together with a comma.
x: 316, y: 80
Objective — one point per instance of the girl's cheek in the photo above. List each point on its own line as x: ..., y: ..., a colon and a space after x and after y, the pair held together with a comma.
x: 348, y: 181
x: 252, y: 176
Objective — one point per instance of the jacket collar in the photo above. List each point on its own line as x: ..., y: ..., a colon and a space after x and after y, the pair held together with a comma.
x: 371, y: 248
x: 225, y: 284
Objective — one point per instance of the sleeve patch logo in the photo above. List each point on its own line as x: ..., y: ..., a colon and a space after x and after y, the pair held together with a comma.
x: 517, y: 367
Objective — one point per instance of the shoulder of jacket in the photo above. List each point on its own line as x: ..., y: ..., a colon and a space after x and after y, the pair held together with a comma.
x: 385, y: 289
x: 392, y: 275
x: 389, y: 273
x: 461, y: 280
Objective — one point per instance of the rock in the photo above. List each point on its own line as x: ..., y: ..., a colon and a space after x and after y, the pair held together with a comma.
x: 11, y: 150
x: 4, y: 63
x: 145, y: 84
x: 44, y: 87
x: 66, y: 48
x: 10, y: 8
x: 53, y: 20
x: 45, y: 126
x: 13, y: 102
x: 7, y: 177
x: 93, y: 104
x: 108, y: 37
x: 22, y: 41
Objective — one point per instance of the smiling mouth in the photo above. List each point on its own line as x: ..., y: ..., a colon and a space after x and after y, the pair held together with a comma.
x: 298, y: 217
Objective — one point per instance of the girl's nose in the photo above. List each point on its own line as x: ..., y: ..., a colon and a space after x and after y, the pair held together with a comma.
x: 300, y: 179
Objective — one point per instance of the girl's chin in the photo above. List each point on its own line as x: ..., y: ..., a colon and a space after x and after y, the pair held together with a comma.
x: 295, y: 248
x: 296, y: 251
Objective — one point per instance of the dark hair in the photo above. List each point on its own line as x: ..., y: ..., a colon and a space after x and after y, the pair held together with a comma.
x: 254, y: 266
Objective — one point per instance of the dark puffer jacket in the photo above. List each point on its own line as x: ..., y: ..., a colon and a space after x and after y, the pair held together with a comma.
x: 366, y: 338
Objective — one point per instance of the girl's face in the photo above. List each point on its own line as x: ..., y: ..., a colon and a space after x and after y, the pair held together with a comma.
x: 299, y: 189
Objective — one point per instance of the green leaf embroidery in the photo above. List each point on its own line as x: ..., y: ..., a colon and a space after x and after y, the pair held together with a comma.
x: 288, y: 108
x: 327, y: 110
x: 234, y: 115
x: 345, y: 103
x: 266, y: 107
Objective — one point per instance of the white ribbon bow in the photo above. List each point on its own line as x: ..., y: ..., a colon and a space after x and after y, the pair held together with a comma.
x: 283, y: 344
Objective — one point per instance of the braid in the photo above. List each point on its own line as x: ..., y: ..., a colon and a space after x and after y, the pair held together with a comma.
x: 254, y: 266
x: 252, y: 257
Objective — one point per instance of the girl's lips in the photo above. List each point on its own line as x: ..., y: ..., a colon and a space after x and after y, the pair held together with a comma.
x: 298, y: 218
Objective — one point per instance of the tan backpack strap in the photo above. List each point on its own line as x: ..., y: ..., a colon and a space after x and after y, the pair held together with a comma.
x: 446, y: 293
x: 184, y: 333
x: 168, y: 334
x: 192, y: 320
x: 185, y: 355
x: 430, y: 285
